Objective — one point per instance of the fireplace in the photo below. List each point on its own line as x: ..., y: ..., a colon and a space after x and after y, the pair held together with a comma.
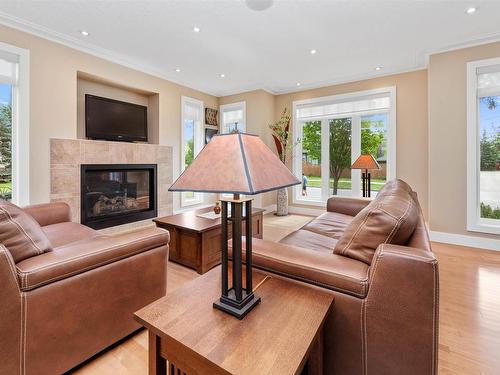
x: 117, y: 194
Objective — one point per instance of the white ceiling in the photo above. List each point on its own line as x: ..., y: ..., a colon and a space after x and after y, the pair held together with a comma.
x: 268, y: 49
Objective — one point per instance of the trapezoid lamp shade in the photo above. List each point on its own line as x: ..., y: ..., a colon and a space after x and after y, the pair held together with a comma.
x: 365, y: 162
x: 237, y: 163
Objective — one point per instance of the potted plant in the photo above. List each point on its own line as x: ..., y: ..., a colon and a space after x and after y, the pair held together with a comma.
x: 284, y: 143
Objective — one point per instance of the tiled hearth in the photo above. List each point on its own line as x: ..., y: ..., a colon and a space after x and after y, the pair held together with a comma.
x: 67, y: 155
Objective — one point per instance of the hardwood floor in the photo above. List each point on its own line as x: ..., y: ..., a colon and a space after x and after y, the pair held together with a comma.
x: 469, y: 342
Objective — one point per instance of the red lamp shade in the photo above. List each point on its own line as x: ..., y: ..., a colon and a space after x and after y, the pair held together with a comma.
x: 235, y: 163
x: 365, y: 162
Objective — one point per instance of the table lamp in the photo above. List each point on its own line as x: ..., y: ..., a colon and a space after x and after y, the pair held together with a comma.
x: 236, y: 163
x: 366, y: 162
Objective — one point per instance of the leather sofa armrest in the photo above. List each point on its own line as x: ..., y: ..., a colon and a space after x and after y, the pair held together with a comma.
x: 401, y: 311
x: 346, y: 205
x: 10, y: 313
x: 84, y: 255
x: 49, y: 213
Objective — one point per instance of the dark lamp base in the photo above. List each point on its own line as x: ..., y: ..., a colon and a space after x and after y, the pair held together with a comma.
x: 238, y: 309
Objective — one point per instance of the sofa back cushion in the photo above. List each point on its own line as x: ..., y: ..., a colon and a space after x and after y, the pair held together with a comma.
x: 390, y: 218
x: 20, y: 233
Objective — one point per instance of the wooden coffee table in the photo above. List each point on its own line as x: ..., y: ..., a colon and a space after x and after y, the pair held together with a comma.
x: 195, y: 241
x: 280, y: 336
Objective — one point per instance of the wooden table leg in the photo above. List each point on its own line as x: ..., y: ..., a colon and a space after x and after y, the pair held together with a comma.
x: 315, y: 361
x: 157, y: 364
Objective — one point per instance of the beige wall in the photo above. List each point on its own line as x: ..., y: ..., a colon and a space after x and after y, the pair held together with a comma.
x: 260, y: 112
x: 448, y: 138
x: 53, y: 100
x: 412, y: 129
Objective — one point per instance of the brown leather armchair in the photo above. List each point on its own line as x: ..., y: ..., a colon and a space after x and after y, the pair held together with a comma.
x: 385, y: 315
x: 62, y: 306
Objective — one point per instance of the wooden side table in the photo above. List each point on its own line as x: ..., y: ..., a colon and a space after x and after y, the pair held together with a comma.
x: 195, y: 241
x: 280, y: 336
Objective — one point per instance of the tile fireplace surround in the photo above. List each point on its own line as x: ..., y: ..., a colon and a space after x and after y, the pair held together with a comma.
x: 67, y: 155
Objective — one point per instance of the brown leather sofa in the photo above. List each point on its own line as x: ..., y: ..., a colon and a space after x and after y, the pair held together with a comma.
x: 385, y: 315
x: 67, y: 291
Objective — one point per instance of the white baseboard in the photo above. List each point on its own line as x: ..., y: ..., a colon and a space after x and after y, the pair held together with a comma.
x: 306, y: 211
x: 463, y: 240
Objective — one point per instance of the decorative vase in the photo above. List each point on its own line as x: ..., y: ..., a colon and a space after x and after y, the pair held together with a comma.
x: 282, y: 202
x: 217, y: 208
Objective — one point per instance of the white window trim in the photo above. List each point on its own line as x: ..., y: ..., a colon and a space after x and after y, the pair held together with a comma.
x: 231, y: 107
x: 21, y: 126
x: 391, y: 138
x: 474, y: 221
x: 198, y: 132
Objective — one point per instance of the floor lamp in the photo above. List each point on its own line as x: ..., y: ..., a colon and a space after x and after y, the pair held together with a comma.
x: 366, y: 162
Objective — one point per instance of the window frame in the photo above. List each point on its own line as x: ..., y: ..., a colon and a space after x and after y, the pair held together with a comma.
x: 390, y: 91
x: 233, y: 107
x: 474, y: 221
x: 198, y: 135
x: 20, y: 126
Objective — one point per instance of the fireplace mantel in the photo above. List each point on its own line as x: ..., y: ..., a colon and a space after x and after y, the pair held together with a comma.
x: 67, y: 156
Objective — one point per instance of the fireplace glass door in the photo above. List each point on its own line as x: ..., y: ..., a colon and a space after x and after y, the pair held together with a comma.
x: 113, y: 195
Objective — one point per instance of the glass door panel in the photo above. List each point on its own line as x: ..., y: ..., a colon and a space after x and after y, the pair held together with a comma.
x: 374, y: 142
x: 311, y: 161
x: 5, y: 141
x: 489, y: 145
x: 340, y: 150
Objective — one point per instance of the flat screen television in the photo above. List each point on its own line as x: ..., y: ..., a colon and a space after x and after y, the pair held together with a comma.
x: 114, y: 120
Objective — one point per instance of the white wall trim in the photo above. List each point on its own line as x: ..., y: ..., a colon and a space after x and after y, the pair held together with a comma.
x: 463, y: 240
x: 21, y: 127
x: 474, y: 222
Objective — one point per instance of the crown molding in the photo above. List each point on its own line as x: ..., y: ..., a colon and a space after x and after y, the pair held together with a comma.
x: 421, y: 59
x: 89, y: 48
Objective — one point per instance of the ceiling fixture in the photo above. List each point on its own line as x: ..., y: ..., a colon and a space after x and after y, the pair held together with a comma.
x: 313, y: 52
x: 196, y: 29
x: 298, y: 84
x: 222, y: 75
x: 178, y: 70
x: 378, y: 68
x: 84, y: 32
x: 259, y: 5
x: 471, y: 10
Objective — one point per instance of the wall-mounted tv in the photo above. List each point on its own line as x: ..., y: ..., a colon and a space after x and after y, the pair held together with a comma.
x: 114, y: 120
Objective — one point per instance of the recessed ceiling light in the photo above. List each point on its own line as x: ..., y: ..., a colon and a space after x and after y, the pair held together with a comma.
x: 378, y: 68
x: 222, y: 75
x: 298, y: 83
x: 84, y: 32
x: 178, y: 70
x: 313, y: 52
x: 196, y: 29
x: 471, y: 10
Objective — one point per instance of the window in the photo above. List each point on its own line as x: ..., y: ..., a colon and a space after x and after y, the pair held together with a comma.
x: 192, y: 142
x: 14, y: 124
x: 483, y: 146
x: 333, y: 132
x: 233, y: 117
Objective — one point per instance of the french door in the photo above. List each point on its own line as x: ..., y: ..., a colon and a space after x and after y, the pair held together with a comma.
x: 330, y: 145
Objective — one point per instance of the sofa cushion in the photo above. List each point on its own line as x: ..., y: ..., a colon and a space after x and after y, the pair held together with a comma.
x: 327, y: 270
x: 67, y: 232
x: 331, y: 224
x: 81, y: 256
x: 20, y: 233
x: 390, y: 218
x: 310, y: 240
